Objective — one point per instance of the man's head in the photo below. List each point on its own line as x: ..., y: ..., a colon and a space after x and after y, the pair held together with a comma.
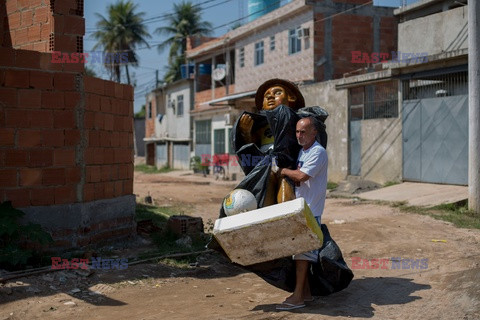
x: 306, y: 132
x: 275, y: 92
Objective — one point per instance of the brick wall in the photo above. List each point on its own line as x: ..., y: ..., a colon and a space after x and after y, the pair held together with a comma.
x: 206, y: 95
x: 66, y: 143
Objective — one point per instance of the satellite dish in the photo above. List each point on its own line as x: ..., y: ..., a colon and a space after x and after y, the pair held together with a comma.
x: 218, y: 74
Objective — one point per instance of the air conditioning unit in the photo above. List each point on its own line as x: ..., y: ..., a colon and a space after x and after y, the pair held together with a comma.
x: 303, y: 33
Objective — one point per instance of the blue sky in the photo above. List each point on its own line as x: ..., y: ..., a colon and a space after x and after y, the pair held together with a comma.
x: 217, y: 12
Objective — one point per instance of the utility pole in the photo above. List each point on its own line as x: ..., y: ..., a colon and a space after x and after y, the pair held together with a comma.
x: 473, y: 107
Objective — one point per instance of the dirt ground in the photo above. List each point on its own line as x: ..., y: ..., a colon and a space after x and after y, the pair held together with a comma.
x: 447, y: 286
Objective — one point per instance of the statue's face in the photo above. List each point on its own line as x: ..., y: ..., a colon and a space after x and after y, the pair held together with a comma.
x: 276, y: 96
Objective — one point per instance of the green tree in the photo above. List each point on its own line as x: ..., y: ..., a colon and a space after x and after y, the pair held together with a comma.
x: 185, y: 21
x: 119, y: 35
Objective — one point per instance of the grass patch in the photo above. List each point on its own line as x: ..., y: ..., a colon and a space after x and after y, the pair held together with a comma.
x: 151, y: 169
x: 390, y: 183
x: 456, y: 213
x: 331, y: 185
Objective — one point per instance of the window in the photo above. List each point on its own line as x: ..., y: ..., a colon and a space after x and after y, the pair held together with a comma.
x: 294, y: 42
x: 241, y: 57
x: 180, y: 105
x: 272, y: 43
x: 219, y: 141
x: 202, y: 132
x: 149, y: 111
x: 374, y: 101
x: 258, y: 59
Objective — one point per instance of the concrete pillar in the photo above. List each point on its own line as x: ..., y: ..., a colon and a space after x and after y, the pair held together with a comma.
x: 473, y: 107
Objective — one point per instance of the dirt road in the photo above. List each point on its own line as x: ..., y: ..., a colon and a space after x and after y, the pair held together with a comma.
x: 431, y: 280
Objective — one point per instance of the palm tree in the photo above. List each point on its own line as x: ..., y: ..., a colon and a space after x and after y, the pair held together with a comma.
x: 119, y: 36
x: 185, y: 21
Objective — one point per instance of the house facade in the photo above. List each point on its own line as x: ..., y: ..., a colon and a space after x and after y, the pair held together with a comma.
x: 304, y: 41
x: 168, y: 125
x: 409, y: 120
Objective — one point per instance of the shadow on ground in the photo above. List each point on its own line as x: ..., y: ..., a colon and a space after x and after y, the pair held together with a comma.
x: 360, y: 297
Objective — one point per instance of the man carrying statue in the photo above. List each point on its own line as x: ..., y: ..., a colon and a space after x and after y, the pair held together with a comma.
x: 290, y: 139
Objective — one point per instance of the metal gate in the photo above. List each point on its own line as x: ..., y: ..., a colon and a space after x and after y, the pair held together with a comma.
x: 435, y: 140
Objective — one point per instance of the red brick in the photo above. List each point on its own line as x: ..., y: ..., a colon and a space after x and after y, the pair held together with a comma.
x: 118, y: 188
x: 16, y: 158
x: 53, y: 138
x: 108, y: 122
x: 19, y: 197
x: 30, y: 138
x: 29, y: 98
x: 72, y: 175
x: 8, y: 97
x: 53, y: 100
x: 21, y: 36
x: 42, y: 196
x: 115, y: 139
x: 93, y: 102
x: 11, y: 6
x: 40, y: 47
x: 41, y: 158
x: 99, y: 191
x: 89, y: 192
x: 127, y: 187
x: 64, y: 157
x: 40, y: 119
x: 64, y: 119
x: 72, y: 137
x: 7, y: 56
x: 105, y: 105
x: 99, y: 120
x: 128, y: 92
x: 106, y: 173
x: 110, y: 88
x: 8, y: 178
x: 41, y: 80
x: 41, y: 14
x: 72, y: 99
x: 22, y: 4
x: 118, y: 90
x: 14, y: 20
x: 89, y: 120
x: 53, y: 176
x: 94, y: 138
x: 30, y: 177
x: 17, y: 78
x: 45, y: 31
x: 109, y: 191
x: 46, y: 59
x: 108, y: 156
x: 104, y: 139
x: 74, y: 25
x: 65, y: 194
x: 64, y: 81
x: 27, y: 18
x: 7, y: 137
x: 94, y: 174
x: 74, y: 67
x: 94, y: 85
x: 65, y: 43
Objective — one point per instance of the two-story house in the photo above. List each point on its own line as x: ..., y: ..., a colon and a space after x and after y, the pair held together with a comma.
x: 168, y: 125
x: 305, y: 41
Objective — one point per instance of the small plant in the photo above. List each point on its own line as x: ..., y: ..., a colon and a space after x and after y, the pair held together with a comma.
x: 15, y: 239
x: 198, y: 166
x: 331, y: 185
x: 390, y: 183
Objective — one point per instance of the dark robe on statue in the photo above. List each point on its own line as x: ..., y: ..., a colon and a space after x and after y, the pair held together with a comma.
x: 330, y: 273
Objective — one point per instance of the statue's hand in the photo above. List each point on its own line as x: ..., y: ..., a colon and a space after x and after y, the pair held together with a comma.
x: 245, y: 124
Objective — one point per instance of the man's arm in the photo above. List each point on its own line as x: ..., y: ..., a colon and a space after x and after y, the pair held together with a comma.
x: 296, y: 175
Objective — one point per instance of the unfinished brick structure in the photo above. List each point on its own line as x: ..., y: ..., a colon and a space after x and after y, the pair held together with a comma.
x: 66, y: 142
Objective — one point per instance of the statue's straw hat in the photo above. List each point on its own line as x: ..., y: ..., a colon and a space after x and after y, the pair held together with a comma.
x: 292, y: 87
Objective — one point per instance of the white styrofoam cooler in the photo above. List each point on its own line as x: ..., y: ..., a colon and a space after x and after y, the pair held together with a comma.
x: 269, y: 233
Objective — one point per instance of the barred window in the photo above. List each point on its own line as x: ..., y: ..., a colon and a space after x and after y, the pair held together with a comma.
x: 219, y: 141
x: 258, y: 59
x: 294, y: 42
x: 375, y: 101
x: 202, y: 132
x: 434, y: 86
x: 241, y: 57
x: 180, y: 105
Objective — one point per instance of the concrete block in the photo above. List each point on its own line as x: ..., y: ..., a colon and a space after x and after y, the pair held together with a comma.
x: 269, y: 233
